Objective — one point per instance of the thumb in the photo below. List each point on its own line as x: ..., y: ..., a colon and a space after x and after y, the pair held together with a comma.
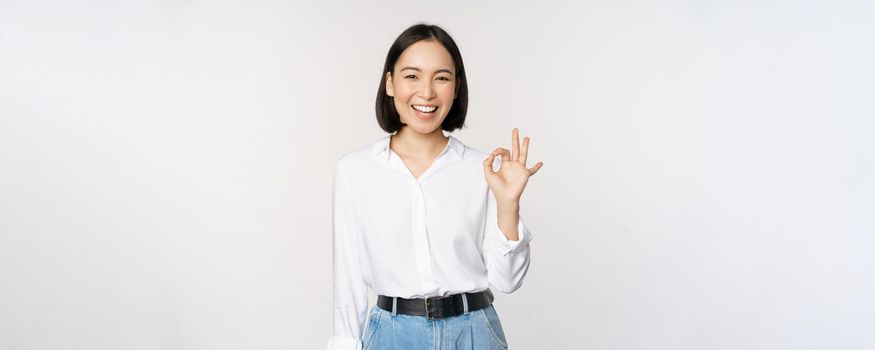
x: 487, y: 164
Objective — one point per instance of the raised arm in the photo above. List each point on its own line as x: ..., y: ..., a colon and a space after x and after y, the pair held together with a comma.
x: 506, y: 238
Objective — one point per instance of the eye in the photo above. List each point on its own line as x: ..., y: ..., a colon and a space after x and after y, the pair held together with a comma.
x: 444, y: 78
x: 410, y: 76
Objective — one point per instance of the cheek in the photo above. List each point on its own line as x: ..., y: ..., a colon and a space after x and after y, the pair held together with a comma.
x: 403, y: 90
x: 401, y: 93
x: 400, y: 105
x: 447, y: 92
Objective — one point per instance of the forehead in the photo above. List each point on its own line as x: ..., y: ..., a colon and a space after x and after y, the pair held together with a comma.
x: 428, y: 55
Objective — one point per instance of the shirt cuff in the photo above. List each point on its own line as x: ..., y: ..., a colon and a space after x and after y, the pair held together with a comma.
x: 343, y: 343
x: 507, y: 246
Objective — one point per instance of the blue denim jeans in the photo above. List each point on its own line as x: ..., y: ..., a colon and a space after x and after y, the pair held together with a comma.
x: 476, y: 330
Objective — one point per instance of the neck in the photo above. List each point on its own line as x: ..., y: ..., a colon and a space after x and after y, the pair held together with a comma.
x: 411, y: 143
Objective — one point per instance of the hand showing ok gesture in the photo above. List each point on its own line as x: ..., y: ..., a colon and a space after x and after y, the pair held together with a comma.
x: 509, y: 181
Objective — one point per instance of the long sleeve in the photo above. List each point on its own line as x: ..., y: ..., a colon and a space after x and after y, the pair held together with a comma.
x: 350, y: 290
x: 507, y: 262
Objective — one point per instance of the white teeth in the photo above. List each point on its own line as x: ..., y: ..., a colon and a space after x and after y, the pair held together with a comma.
x: 425, y: 109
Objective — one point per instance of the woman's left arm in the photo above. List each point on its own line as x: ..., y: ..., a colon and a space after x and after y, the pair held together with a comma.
x: 507, y: 239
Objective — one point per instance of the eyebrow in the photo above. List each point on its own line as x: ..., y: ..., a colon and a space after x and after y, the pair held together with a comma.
x: 437, y: 71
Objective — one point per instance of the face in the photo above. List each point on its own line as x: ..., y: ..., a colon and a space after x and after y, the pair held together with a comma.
x: 423, y: 85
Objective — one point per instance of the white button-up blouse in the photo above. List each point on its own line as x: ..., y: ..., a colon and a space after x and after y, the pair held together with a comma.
x: 415, y: 238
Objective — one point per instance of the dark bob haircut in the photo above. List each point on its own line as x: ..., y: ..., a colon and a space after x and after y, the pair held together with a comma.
x: 387, y: 116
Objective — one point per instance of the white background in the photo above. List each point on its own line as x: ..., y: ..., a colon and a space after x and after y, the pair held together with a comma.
x: 166, y: 166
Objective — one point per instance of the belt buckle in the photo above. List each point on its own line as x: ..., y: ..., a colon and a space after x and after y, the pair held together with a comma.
x: 427, y: 306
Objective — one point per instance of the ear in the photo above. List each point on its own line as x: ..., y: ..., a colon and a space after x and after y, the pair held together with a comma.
x: 390, y: 88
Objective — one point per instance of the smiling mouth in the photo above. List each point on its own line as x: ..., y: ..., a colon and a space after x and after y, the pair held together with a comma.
x: 424, y: 108
x: 424, y: 112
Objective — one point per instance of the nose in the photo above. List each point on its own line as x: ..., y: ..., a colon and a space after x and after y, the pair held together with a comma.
x: 427, y: 91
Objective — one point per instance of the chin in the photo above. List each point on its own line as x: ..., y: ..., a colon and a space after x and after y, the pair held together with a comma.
x: 424, y: 127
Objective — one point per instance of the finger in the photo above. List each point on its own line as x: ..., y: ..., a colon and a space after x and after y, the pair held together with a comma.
x: 487, y: 164
x: 515, y: 142
x: 535, y: 168
x: 524, y: 151
x: 503, y: 152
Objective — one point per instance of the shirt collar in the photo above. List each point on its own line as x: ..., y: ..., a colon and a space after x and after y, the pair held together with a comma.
x: 382, y: 145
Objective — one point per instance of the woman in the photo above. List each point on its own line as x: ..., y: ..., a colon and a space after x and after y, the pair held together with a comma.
x: 414, y: 220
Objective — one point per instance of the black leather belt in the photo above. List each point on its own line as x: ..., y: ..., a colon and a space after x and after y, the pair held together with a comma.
x: 435, y: 308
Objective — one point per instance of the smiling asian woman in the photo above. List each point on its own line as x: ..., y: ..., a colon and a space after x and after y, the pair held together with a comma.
x: 421, y: 218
